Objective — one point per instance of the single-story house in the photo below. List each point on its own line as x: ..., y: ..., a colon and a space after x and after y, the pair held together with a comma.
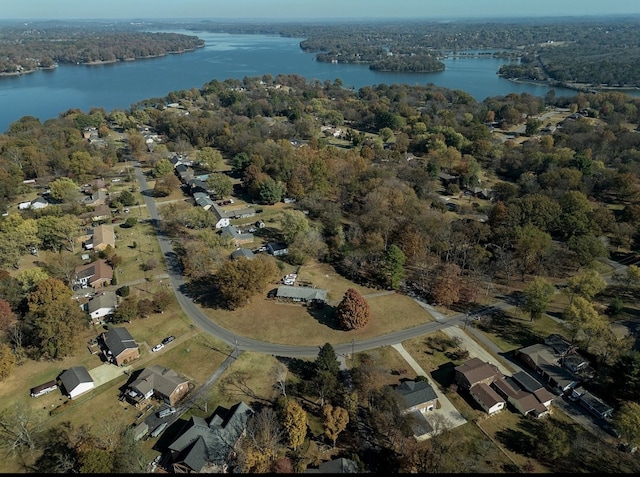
x: 205, y: 446
x: 305, y: 294
x: 523, y: 401
x: 97, y: 197
x: 487, y: 398
x: 335, y: 466
x: 39, y: 203
x: 243, y: 213
x: 94, y: 274
x: 223, y: 218
x: 243, y: 253
x: 416, y: 396
x: 544, y: 360
x: 103, y: 235
x: 101, y: 212
x: 595, y: 405
x: 203, y: 200
x: 102, y: 304
x: 76, y: 381
x: 474, y: 371
x: 559, y: 343
x: 528, y: 383
x: 119, y: 346
x: 277, y: 249
x: 162, y: 383
x: 231, y: 232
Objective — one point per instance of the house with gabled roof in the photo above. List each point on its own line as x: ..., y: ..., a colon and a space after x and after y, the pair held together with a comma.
x: 76, y: 381
x: 235, y: 236
x: 119, y: 346
x: 243, y: 253
x: 95, y: 274
x: 203, y: 200
x: 223, y: 217
x: 487, y: 398
x: 416, y: 395
x: 102, y: 304
x: 474, y: 371
x: 161, y: 383
x: 303, y: 294
x: 103, y: 236
x: 207, y: 446
x: 545, y: 361
x: 335, y: 466
x: 525, y: 402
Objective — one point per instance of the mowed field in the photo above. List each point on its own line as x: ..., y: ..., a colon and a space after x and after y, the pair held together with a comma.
x: 270, y: 320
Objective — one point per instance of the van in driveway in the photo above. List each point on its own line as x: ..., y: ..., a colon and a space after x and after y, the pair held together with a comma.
x: 166, y: 412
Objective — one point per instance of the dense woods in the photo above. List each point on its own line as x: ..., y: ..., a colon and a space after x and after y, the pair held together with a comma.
x: 26, y: 48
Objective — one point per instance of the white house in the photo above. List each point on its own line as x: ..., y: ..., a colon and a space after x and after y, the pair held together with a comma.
x: 76, y: 381
x: 222, y: 216
x: 102, y: 305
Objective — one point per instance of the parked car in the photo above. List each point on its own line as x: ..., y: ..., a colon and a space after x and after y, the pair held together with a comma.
x: 168, y: 340
x: 157, y: 347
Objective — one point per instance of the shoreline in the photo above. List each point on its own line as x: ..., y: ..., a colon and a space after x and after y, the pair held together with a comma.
x: 101, y: 62
x: 580, y: 87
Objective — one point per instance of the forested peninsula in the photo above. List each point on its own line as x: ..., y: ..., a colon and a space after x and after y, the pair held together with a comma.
x: 26, y: 48
x: 577, y: 52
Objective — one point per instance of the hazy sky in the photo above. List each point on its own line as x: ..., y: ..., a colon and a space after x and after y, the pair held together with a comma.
x: 309, y: 9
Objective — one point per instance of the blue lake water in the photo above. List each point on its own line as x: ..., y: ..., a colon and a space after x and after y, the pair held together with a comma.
x: 46, y: 94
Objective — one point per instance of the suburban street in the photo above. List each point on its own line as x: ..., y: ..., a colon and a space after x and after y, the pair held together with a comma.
x: 458, y: 325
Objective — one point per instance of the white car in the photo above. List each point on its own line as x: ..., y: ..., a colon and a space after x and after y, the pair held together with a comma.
x: 157, y: 347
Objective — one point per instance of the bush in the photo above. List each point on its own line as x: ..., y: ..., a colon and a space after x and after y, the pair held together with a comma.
x: 114, y: 280
x: 123, y: 291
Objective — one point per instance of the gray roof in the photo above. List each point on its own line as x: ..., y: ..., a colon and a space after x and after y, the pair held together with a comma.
x: 243, y: 252
x: 527, y: 381
x: 107, y: 299
x: 73, y: 377
x: 336, y: 466
x: 118, y: 340
x: 414, y: 393
x: 232, y: 231
x: 200, y: 443
x: 156, y: 378
x: 301, y: 293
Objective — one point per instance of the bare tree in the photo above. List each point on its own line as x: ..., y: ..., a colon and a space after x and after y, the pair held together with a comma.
x: 281, y: 372
x: 18, y: 430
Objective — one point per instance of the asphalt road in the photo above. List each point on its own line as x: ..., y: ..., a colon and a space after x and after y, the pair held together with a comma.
x: 241, y: 343
x: 247, y: 344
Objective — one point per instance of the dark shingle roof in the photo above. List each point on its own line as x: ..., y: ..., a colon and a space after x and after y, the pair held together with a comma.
x: 413, y: 393
x: 203, y: 443
x: 118, y: 340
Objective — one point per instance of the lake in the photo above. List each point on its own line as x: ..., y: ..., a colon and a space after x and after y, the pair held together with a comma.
x: 46, y: 94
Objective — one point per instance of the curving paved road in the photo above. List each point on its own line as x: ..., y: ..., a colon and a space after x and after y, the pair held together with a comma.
x: 248, y: 344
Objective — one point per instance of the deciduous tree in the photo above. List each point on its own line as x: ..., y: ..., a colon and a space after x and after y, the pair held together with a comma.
x: 56, y: 320
x: 537, y: 297
x: 353, y: 311
x: 335, y: 420
x: 294, y: 421
x: 627, y: 422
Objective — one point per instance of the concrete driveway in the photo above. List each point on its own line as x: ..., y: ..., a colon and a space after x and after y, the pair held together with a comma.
x: 106, y: 372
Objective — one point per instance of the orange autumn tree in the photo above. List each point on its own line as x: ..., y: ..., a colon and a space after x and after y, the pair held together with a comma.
x: 353, y: 311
